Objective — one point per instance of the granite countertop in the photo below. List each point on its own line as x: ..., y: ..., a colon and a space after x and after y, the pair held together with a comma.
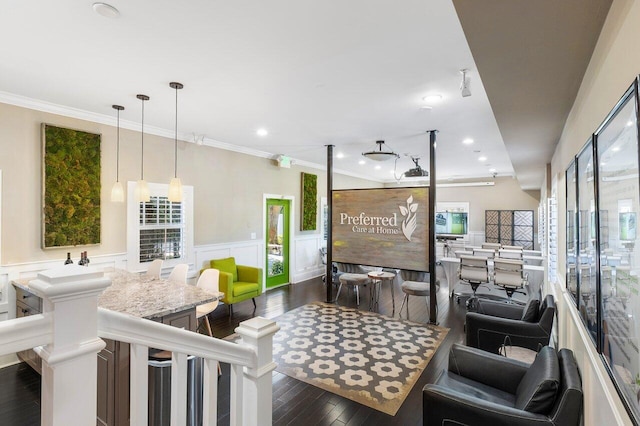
x: 144, y: 297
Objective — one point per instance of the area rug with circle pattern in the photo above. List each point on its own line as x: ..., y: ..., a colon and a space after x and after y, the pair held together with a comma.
x: 369, y: 358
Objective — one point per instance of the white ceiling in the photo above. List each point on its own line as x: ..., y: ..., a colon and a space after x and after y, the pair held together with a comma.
x: 313, y: 73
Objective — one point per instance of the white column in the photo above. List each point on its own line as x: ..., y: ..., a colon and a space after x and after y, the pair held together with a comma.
x: 257, y: 387
x: 69, y: 365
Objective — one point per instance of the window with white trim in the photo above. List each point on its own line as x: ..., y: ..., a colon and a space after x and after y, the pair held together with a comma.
x: 159, y: 228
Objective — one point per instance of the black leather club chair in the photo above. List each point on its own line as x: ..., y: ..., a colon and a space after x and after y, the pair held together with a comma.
x: 481, y: 388
x: 527, y: 326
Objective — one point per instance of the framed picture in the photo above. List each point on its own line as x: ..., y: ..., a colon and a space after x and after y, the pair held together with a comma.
x: 70, y: 187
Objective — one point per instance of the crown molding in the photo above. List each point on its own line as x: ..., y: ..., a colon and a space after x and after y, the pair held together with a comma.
x: 110, y: 120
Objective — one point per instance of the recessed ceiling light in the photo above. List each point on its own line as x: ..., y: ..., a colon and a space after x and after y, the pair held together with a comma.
x: 262, y: 132
x: 340, y: 155
x: 378, y: 167
x: 361, y: 162
x: 106, y: 10
x: 435, y: 97
x: 467, y: 141
x: 483, y: 158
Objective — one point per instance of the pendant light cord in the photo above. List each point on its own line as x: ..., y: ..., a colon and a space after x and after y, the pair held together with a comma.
x: 118, y: 150
x: 175, y: 156
x: 142, y: 144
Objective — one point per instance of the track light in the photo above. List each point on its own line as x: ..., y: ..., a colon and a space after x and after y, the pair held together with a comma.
x: 465, y: 86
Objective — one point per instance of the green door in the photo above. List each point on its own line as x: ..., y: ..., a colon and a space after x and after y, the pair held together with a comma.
x: 277, y: 236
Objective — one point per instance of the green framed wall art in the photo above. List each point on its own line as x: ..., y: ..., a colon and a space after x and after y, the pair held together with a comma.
x: 70, y: 187
x: 309, y: 202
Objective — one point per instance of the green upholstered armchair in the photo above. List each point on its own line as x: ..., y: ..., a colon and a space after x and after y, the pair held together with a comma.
x: 237, y: 282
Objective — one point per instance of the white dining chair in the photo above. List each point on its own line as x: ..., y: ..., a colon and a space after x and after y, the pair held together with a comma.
x: 155, y: 269
x: 179, y: 273
x: 208, y: 281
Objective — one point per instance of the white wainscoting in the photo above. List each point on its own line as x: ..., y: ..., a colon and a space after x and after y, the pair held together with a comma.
x: 304, y: 261
x: 249, y: 253
x: 308, y: 263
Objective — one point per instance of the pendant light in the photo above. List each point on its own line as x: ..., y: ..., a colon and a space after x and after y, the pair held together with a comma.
x: 142, y: 189
x: 117, y: 193
x: 175, y: 186
x: 380, y: 155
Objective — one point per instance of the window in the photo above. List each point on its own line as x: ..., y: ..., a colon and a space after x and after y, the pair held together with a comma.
x: 159, y: 229
x: 603, y: 246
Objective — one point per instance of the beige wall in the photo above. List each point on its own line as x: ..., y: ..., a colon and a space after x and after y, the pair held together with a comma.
x: 614, y: 65
x: 228, y: 186
x: 506, y: 194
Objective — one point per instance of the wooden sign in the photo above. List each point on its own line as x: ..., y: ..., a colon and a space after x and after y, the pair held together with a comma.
x: 382, y: 227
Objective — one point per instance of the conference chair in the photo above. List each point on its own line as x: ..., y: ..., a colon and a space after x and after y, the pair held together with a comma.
x: 480, y: 388
x: 179, y: 273
x: 510, y: 254
x: 509, y: 274
x: 335, y: 274
x: 474, y: 271
x: 155, y: 269
x: 492, y: 246
x: 486, y: 253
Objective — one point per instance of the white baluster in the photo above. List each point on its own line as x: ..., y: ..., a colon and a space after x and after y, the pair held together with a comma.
x: 257, y: 405
x: 210, y: 393
x: 179, y: 376
x: 235, y: 409
x: 139, y: 405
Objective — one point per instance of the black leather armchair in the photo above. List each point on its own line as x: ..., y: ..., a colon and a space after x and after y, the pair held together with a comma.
x: 527, y: 326
x: 481, y: 388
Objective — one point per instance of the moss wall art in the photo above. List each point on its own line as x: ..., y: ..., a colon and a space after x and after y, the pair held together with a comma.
x: 309, y: 202
x: 70, y: 187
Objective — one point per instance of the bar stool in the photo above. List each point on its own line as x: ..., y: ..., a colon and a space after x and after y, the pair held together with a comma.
x: 416, y: 283
x: 353, y: 276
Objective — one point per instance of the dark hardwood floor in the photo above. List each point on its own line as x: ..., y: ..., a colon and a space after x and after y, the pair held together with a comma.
x: 294, y: 402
